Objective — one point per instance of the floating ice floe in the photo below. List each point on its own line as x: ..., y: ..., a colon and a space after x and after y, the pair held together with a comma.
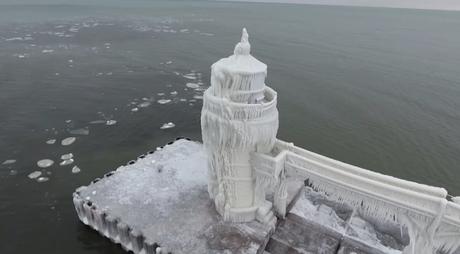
x: 182, y: 99
x: 207, y: 34
x: 66, y: 162
x: 67, y: 156
x: 13, y: 172
x: 164, y: 101
x: 68, y: 141
x: 134, y: 109
x: 7, y: 162
x: 68, y: 121
x: 167, y: 126
x: 173, y: 93
x: 110, y: 122
x: 47, y: 51
x: 51, y: 141
x: 45, y: 163
x: 144, y: 104
x: 198, y: 97
x: 160, y: 94
x: 21, y: 55
x: 169, y: 62
x: 192, y: 85
x: 34, y: 174
x: 14, y: 39
x: 81, y: 131
x: 75, y: 169
x: 42, y: 179
x: 98, y: 122
x: 183, y: 30
x: 190, y: 76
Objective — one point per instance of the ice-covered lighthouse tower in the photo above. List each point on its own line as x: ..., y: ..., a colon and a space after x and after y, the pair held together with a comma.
x: 239, y: 117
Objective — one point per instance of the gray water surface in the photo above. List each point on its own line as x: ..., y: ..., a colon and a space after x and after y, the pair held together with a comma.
x: 374, y: 87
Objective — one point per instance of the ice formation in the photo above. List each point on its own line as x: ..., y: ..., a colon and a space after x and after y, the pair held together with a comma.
x: 9, y: 161
x: 239, y: 123
x: 34, y: 174
x: 68, y: 141
x: 66, y: 162
x: 167, y: 126
x: 45, y: 163
x: 239, y: 116
x: 75, y: 169
x: 110, y: 122
x: 51, y: 141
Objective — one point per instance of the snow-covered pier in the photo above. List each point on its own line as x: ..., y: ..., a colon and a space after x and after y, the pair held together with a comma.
x: 245, y: 191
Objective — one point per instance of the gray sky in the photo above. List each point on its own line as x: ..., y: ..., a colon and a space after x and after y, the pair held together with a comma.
x: 412, y: 4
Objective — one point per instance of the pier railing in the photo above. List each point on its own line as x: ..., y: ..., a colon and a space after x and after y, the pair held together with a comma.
x: 432, y: 221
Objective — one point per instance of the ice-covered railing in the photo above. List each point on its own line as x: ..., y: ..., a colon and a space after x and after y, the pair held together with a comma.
x: 432, y: 221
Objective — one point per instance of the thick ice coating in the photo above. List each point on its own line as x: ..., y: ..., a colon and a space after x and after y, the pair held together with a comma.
x: 239, y: 117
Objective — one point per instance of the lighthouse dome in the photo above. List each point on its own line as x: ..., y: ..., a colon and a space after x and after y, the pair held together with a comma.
x: 239, y: 77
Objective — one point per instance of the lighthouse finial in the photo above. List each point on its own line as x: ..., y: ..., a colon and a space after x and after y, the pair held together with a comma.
x: 243, y: 47
x: 245, y: 36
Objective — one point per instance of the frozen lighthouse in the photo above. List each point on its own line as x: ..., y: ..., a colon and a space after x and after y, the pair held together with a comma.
x: 159, y: 203
x: 239, y: 117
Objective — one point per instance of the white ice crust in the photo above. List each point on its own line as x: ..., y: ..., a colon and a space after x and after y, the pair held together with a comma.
x: 239, y: 116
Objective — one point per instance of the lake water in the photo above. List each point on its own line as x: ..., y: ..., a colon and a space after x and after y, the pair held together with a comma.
x: 374, y: 87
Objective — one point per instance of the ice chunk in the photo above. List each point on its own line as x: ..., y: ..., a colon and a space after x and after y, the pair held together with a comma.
x: 190, y: 76
x: 42, y: 179
x: 34, y: 174
x: 134, y: 109
x: 110, y: 122
x: 164, y: 101
x: 51, y: 141
x: 173, y: 93
x: 192, y: 85
x: 144, y: 104
x: 68, y: 141
x: 7, y: 162
x: 76, y: 170
x: 160, y: 94
x: 47, y: 51
x: 167, y: 126
x: 66, y: 156
x: 45, y: 163
x: 198, y: 97
x: 14, y: 39
x: 66, y: 162
x: 169, y: 62
x: 82, y: 131
x: 97, y: 122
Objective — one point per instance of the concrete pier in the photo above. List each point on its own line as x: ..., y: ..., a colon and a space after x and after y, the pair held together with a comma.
x: 159, y: 204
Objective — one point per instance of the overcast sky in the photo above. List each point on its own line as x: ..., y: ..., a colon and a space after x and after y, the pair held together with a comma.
x: 413, y: 4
